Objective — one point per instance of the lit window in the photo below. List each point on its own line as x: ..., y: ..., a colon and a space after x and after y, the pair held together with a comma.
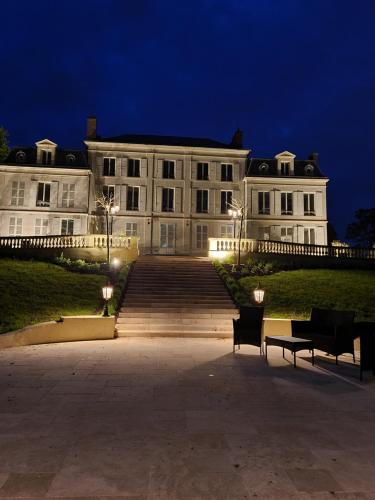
x: 43, y: 195
x: 168, y: 169
x: 133, y: 168
x: 226, y: 231
x: 202, y: 201
x: 131, y: 229
x: 41, y: 227
x: 132, y: 198
x: 15, y: 226
x: 18, y: 193
x: 109, y: 167
x: 202, y: 171
x: 286, y: 203
x: 226, y: 201
x: 226, y: 172
x: 167, y: 204
x: 68, y: 192
x: 309, y: 204
x: 67, y: 226
x: 264, y: 202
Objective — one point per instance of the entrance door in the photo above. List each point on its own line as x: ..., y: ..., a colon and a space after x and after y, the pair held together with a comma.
x: 168, y: 238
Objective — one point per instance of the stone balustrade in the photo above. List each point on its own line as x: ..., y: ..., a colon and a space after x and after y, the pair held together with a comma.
x: 70, y: 241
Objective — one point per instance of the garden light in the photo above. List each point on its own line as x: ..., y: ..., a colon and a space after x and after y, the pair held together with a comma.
x: 107, y: 295
x: 258, y: 294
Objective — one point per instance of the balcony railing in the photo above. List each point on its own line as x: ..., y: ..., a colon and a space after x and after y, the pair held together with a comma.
x: 71, y: 241
x: 229, y: 245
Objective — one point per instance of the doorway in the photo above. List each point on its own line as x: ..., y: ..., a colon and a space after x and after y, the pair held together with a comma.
x: 167, y: 239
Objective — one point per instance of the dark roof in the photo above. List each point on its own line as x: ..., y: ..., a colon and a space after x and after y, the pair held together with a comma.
x: 166, y: 140
x: 65, y: 158
x: 255, y: 168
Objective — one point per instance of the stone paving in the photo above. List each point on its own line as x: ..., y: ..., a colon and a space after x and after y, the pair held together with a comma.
x: 176, y: 418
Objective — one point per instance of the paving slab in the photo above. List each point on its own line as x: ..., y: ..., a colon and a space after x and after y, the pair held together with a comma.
x: 182, y: 418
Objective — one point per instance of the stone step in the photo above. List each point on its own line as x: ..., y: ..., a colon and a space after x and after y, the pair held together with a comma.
x: 196, y: 334
x: 167, y: 328
x: 192, y: 308
x: 218, y: 316
x: 179, y: 320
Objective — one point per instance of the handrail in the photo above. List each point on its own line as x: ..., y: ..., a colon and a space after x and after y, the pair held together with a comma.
x: 288, y: 248
x: 69, y: 241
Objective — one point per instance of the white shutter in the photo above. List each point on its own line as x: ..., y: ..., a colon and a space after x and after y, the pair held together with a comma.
x: 318, y: 204
x: 178, y: 200
x: 143, y: 167
x: 179, y: 166
x: 123, y: 197
x: 217, y: 201
x: 158, y: 199
x: 142, y: 199
x: 54, y: 190
x: 159, y: 171
x: 194, y: 170
x: 117, y: 198
x: 211, y: 201
x: 77, y: 226
x: 56, y: 226
x: 236, y: 172
x: 194, y: 200
x: 123, y: 162
x: 213, y: 168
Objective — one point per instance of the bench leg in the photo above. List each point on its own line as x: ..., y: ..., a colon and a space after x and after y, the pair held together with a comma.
x: 312, y: 357
x: 294, y: 355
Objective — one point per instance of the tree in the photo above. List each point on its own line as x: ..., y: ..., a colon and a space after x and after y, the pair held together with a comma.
x: 237, y: 207
x: 4, y: 147
x: 362, y: 230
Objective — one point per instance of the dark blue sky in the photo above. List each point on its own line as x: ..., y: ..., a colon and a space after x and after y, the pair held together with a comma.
x: 295, y: 75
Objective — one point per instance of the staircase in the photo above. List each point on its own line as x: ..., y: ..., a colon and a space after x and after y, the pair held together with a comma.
x: 175, y: 297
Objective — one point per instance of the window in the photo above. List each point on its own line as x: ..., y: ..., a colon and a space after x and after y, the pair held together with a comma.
x: 67, y: 226
x: 43, y: 195
x: 309, y: 170
x: 309, y: 204
x: 68, y: 191
x: 202, y: 237
x: 226, y: 231
x: 46, y: 157
x: 263, y: 168
x: 202, y: 201
x: 132, y: 198
x: 131, y: 229
x: 226, y: 201
x: 18, y: 193
x: 226, y: 172
x: 286, y: 203
x: 264, y: 202
x: 15, y: 226
x: 20, y: 156
x: 133, y: 168
x: 309, y: 236
x: 168, y: 169
x: 41, y: 227
x: 70, y: 158
x: 167, y: 203
x: 264, y: 233
x: 202, y: 171
x: 109, y: 192
x: 109, y: 167
x: 286, y: 234
x: 285, y: 168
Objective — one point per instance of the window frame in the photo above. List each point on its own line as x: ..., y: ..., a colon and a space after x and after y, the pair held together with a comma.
x: 226, y: 172
x: 226, y: 202
x: 310, y: 231
x: 166, y: 173
x: 110, y: 165
x: 139, y: 167
x: 202, y: 171
x: 286, y: 229
x: 67, y: 221
x: 39, y: 228
x: 133, y: 230
x: 46, y: 157
x: 201, y: 242
x: 203, y: 209
x: 17, y: 226
x: 68, y: 200
x: 288, y: 196
x: 43, y: 202
x: 172, y: 190
x: 263, y: 196
x: 285, y: 168
x: 307, y: 197
x: 132, y: 207
x: 107, y: 187
x: 228, y: 229
x: 17, y: 199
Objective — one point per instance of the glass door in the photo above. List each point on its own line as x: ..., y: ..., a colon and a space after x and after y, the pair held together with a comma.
x: 168, y: 238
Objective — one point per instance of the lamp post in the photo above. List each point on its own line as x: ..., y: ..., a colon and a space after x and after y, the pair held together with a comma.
x: 258, y: 294
x: 114, y: 211
x: 107, y: 295
x: 109, y: 208
x: 233, y: 214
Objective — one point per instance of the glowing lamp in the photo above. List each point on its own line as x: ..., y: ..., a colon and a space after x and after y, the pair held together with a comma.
x: 258, y: 294
x: 107, y: 295
x: 116, y: 262
x: 115, y: 209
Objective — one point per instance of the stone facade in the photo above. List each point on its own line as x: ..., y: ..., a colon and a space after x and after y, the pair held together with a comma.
x: 171, y: 192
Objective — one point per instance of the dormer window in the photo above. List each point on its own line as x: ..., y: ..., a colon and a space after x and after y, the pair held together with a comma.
x: 70, y: 158
x: 263, y: 168
x: 46, y: 157
x: 20, y: 156
x: 309, y: 170
x: 285, y: 168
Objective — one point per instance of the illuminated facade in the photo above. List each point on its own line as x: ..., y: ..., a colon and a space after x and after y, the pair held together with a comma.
x: 172, y: 192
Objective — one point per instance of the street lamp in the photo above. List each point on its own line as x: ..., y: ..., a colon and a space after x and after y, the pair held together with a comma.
x: 234, y: 216
x: 109, y: 209
x: 114, y: 211
x: 116, y: 262
x: 258, y: 294
x: 107, y: 295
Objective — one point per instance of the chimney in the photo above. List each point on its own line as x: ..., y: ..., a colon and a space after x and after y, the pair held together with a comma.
x: 91, y: 127
x: 314, y: 157
x: 237, y: 139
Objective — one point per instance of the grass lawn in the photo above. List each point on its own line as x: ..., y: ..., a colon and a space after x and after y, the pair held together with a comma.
x: 32, y: 292
x: 292, y: 294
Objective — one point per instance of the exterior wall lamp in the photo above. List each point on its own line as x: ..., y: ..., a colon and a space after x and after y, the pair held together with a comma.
x: 107, y: 295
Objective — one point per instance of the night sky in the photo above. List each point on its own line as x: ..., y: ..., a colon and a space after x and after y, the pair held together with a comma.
x: 296, y: 75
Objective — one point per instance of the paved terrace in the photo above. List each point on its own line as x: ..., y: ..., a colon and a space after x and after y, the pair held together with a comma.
x: 179, y: 418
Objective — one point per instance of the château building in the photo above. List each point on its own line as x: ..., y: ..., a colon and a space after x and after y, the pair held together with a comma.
x: 172, y: 192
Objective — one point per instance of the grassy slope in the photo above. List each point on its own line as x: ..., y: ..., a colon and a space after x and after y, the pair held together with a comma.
x: 294, y: 293
x: 31, y: 292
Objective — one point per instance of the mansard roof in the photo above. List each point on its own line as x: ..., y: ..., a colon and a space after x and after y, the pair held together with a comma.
x: 267, y: 167
x: 64, y: 158
x: 167, y: 140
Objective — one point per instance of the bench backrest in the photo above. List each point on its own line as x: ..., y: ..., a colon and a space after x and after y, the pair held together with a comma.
x: 331, y: 317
